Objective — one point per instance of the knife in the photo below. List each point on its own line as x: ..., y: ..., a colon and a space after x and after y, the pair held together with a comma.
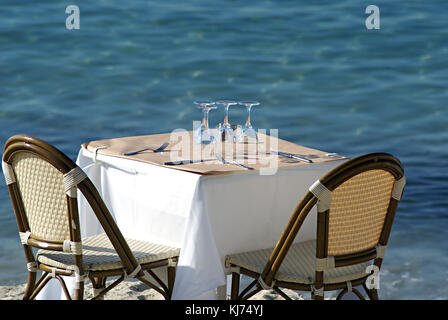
x: 289, y: 155
x: 173, y: 163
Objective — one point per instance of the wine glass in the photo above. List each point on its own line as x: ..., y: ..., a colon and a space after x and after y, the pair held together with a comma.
x: 248, y: 131
x: 225, y: 131
x: 203, y: 134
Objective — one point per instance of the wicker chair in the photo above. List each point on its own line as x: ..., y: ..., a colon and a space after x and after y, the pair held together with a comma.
x: 356, y: 204
x: 43, y: 185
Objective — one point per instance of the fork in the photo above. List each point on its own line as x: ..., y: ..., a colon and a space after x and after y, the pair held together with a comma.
x: 220, y: 158
x: 159, y: 149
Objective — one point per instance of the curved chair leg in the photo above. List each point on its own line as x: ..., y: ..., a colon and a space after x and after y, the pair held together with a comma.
x: 79, y: 292
x: 341, y: 294
x: 171, y: 276
x: 372, y: 293
x: 65, y: 290
x: 31, y: 284
x: 46, y: 277
x: 235, y: 286
x: 345, y: 291
x: 358, y: 294
x: 281, y: 293
x: 252, y: 293
x: 43, y: 280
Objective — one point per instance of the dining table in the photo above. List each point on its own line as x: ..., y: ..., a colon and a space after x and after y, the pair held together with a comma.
x: 187, y: 196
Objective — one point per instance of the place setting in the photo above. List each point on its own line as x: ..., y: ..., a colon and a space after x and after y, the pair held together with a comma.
x: 214, y: 149
x: 235, y: 137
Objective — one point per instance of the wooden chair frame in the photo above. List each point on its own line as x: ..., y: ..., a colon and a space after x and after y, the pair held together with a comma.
x: 331, y: 181
x: 23, y: 143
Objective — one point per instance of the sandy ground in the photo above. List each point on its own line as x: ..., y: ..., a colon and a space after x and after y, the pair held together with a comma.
x: 131, y: 290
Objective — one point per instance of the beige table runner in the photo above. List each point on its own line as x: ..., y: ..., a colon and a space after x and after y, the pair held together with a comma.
x: 182, y: 147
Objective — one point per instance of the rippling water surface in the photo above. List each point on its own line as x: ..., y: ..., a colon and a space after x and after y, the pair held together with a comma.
x: 323, y: 79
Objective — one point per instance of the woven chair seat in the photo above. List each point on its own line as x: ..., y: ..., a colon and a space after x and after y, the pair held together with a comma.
x: 99, y: 254
x: 299, y: 265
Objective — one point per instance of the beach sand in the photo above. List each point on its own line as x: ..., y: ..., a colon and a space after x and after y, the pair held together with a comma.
x: 132, y: 290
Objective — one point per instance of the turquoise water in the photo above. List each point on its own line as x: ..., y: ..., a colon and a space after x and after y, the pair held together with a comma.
x: 322, y: 78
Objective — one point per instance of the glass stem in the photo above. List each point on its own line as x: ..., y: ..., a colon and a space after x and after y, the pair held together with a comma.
x: 205, y: 118
x: 226, y: 117
x: 248, y: 125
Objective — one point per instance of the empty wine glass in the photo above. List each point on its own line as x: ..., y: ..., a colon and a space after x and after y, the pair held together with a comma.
x: 225, y: 131
x: 203, y: 134
x: 248, y: 131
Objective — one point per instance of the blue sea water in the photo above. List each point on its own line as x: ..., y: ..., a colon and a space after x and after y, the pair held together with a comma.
x: 323, y: 79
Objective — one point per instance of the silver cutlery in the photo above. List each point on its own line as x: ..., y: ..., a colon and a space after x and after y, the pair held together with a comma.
x: 290, y: 155
x: 159, y: 149
x: 220, y: 158
x: 173, y: 163
x: 332, y: 154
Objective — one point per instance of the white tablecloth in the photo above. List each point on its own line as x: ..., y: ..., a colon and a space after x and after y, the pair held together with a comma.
x: 208, y: 217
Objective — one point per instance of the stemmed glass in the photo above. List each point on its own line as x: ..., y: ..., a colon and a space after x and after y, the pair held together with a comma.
x: 203, y: 134
x: 225, y: 131
x: 248, y: 131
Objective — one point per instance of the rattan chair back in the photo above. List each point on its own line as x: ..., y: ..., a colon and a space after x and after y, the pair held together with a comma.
x: 41, y: 190
x: 358, y: 211
x: 356, y: 204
